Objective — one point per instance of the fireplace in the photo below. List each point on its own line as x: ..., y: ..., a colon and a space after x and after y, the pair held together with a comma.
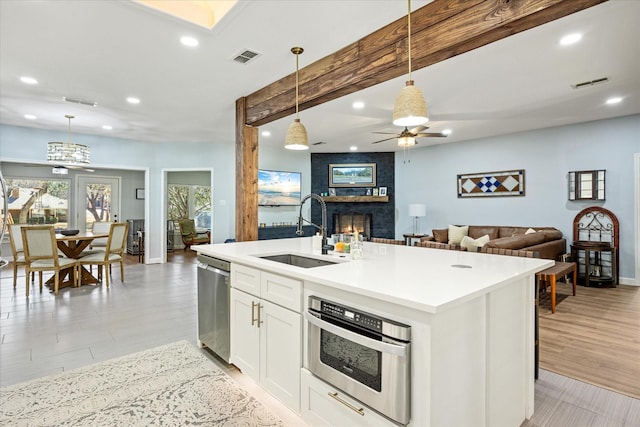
x: 350, y: 222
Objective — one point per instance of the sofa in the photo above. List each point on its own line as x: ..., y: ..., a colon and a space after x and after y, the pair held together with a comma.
x: 548, y: 242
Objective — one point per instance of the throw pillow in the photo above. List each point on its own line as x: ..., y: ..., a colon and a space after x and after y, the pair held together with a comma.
x: 529, y: 231
x: 441, y: 236
x: 472, y: 245
x: 457, y: 233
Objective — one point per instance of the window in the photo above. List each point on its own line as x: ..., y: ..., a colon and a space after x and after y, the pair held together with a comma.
x: 38, y: 201
x: 190, y: 201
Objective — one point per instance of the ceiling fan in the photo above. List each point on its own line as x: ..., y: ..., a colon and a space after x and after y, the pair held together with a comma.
x: 59, y: 168
x: 408, y: 136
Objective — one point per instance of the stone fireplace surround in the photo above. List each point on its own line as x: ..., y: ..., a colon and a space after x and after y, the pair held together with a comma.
x: 382, y: 214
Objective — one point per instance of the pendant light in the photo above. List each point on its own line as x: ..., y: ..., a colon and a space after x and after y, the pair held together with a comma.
x: 61, y: 152
x: 410, y: 108
x: 296, y: 138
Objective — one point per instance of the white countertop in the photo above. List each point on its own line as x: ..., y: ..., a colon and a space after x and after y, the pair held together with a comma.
x: 424, y: 279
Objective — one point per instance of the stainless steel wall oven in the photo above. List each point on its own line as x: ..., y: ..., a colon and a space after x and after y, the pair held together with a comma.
x: 364, y: 355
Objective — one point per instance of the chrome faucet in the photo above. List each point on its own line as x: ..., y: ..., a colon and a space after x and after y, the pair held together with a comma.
x: 322, y: 228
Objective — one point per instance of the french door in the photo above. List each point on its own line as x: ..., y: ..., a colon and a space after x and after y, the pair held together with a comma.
x: 97, y: 200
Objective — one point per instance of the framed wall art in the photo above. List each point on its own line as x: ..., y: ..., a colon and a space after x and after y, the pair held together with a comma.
x: 352, y: 175
x: 490, y: 184
x: 140, y: 193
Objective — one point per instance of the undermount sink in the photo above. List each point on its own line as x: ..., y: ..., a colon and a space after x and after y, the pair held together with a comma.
x: 298, y: 260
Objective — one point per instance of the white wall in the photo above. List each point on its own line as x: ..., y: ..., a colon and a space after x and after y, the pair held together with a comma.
x: 546, y: 156
x: 27, y: 145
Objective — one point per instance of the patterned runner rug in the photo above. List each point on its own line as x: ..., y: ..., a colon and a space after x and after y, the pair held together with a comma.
x: 171, y: 385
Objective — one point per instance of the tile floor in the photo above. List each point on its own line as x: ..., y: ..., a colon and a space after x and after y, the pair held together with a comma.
x: 44, y: 335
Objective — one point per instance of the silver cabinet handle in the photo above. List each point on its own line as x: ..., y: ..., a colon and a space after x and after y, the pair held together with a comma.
x: 347, y: 404
x: 253, y: 318
x: 259, y: 310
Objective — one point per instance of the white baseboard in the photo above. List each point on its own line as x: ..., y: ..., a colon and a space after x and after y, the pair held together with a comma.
x: 628, y: 281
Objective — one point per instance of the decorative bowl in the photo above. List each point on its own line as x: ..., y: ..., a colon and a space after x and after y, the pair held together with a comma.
x: 69, y: 232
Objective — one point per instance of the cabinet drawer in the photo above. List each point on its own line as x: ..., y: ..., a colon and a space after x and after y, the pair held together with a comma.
x: 246, y: 279
x: 280, y: 290
x: 318, y: 408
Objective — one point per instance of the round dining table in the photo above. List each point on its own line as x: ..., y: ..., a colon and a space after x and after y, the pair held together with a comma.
x: 72, y: 247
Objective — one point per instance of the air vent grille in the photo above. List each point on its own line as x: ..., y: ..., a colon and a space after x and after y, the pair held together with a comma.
x: 80, y: 101
x: 245, y: 56
x: 590, y: 83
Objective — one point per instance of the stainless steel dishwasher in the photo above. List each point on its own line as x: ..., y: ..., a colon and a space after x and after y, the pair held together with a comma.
x: 213, y: 305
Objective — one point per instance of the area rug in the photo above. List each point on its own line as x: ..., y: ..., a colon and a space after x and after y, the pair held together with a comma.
x: 171, y: 385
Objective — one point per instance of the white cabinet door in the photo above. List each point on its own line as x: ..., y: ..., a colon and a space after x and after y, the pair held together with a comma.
x: 280, y: 353
x: 245, y: 278
x: 283, y: 291
x: 245, y: 337
x: 324, y: 406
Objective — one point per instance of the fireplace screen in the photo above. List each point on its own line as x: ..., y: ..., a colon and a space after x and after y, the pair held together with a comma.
x: 350, y: 222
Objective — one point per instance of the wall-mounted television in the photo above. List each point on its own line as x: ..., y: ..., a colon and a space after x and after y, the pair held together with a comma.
x: 279, y: 188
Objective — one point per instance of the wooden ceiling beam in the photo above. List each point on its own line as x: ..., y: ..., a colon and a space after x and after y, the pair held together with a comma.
x: 440, y: 30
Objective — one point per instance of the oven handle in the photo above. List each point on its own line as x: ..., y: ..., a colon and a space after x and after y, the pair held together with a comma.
x: 396, y: 350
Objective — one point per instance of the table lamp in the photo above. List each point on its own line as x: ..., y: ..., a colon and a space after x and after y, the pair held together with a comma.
x: 416, y: 210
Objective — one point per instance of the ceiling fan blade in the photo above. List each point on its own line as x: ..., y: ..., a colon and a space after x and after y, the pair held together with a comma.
x: 383, y: 140
x: 431, y: 134
x: 386, y: 133
x: 417, y: 129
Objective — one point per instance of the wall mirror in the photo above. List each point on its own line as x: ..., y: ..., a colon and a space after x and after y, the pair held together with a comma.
x: 586, y: 185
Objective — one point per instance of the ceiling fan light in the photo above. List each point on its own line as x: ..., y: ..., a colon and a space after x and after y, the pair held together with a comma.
x: 410, y: 108
x: 406, y: 141
x: 296, y: 138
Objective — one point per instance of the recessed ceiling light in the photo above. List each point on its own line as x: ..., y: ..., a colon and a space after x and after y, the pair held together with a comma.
x: 614, y: 100
x: 353, y: 148
x: 358, y: 105
x: 447, y: 131
x: 30, y: 116
x: 265, y: 133
x: 570, y: 39
x: 28, y: 80
x: 107, y: 127
x: 189, y: 41
x: 133, y: 100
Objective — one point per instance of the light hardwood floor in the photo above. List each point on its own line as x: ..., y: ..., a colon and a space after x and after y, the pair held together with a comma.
x: 156, y: 305
x: 594, y: 336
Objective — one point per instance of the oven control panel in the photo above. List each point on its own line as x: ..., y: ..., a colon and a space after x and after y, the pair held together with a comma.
x: 344, y: 313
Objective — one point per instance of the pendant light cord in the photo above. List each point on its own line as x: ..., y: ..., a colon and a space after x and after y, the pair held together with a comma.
x: 409, y: 35
x: 297, y: 85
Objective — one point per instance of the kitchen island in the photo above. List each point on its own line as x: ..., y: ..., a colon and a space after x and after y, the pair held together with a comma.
x: 471, y: 317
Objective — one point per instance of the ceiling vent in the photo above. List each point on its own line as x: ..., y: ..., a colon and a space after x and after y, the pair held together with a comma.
x: 80, y: 101
x: 590, y: 83
x: 245, y: 56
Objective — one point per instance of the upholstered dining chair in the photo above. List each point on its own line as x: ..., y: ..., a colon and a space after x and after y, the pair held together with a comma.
x: 113, y: 253
x: 190, y: 235
x: 100, y: 227
x: 17, y: 249
x: 41, y: 254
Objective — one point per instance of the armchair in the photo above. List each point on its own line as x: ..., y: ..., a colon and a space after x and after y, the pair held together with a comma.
x: 190, y: 236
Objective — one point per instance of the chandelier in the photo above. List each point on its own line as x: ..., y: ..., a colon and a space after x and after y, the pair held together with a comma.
x: 68, y: 152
